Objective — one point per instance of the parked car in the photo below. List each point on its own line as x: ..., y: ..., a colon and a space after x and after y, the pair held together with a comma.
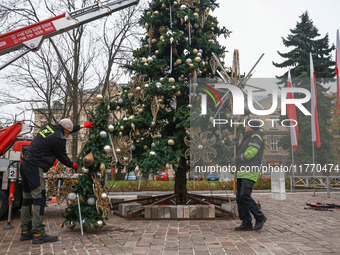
x: 196, y: 177
x: 212, y: 177
x: 162, y: 176
x: 131, y: 176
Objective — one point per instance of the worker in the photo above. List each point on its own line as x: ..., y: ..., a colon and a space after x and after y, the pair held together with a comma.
x: 48, y: 145
x: 248, y: 162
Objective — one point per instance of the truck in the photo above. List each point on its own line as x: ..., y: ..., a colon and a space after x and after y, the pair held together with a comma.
x: 12, y: 148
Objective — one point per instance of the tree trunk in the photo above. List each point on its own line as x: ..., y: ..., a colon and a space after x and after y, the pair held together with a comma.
x: 181, y: 181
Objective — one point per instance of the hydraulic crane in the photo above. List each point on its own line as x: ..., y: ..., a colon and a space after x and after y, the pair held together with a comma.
x: 32, y: 36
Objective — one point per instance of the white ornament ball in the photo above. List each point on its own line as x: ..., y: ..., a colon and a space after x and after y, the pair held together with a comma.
x: 99, y: 97
x: 107, y: 148
x: 158, y: 85
x: 103, y: 195
x: 120, y: 101
x: 72, y: 196
x: 152, y: 153
x: 91, y: 201
x: 183, y: 7
x: 200, y: 147
x: 111, y: 128
x: 103, y: 134
x: 100, y: 223
x: 189, y: 60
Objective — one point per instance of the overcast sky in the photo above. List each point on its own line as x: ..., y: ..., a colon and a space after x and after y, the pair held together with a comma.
x: 259, y: 25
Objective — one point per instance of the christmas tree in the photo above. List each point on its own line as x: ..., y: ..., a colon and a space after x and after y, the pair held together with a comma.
x: 303, y: 40
x: 152, y: 115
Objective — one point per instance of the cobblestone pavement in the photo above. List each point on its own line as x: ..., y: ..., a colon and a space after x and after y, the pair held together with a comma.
x: 290, y: 229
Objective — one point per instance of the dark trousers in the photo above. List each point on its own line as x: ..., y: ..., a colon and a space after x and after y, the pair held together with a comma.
x: 246, y: 203
x: 34, y: 193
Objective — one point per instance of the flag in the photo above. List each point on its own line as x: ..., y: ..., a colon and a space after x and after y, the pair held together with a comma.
x: 314, y: 109
x: 291, y: 111
x: 337, y: 70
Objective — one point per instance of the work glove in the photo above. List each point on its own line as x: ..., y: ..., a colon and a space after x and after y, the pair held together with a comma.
x: 88, y: 124
x: 75, y: 166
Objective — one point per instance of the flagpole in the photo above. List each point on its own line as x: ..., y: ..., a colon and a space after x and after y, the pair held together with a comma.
x: 313, y: 168
x: 292, y: 185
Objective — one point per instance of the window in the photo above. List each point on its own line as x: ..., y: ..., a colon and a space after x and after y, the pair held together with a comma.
x: 273, y: 144
x: 273, y: 123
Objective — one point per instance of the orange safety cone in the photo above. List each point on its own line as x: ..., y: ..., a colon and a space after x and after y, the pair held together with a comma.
x: 54, y: 200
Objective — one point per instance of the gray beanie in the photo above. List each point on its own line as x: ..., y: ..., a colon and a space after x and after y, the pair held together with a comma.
x: 67, y: 124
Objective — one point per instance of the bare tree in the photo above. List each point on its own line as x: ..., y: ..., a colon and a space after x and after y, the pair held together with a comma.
x: 71, y: 67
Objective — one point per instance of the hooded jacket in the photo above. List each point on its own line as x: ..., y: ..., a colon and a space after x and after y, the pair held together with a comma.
x: 49, y: 145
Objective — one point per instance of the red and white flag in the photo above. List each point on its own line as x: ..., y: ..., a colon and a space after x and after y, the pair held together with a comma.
x: 291, y: 112
x: 314, y: 110
x: 337, y: 70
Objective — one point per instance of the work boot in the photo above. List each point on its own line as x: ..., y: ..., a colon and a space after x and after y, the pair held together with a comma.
x: 259, y: 224
x: 44, y: 238
x: 26, y: 236
x: 244, y: 228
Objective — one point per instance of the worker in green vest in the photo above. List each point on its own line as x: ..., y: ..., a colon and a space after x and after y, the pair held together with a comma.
x: 248, y: 163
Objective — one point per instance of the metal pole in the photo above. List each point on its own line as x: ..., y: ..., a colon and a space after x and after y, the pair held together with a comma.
x: 292, y: 182
x: 80, y: 218
x: 14, y: 59
x: 328, y: 187
x: 313, y: 169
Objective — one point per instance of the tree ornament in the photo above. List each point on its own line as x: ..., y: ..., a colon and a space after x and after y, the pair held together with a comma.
x: 161, y: 29
x: 161, y: 38
x: 100, y: 223
x: 88, y: 160
x: 107, y: 148
x: 91, y: 201
x: 71, y: 224
x: 195, y: 51
x: 189, y: 106
x: 161, y: 79
x: 120, y: 101
x: 157, y: 52
x: 156, y: 12
x: 171, y: 80
x: 178, y: 61
x: 163, y: 5
x: 189, y: 60
x: 103, y: 134
x: 107, y: 171
x: 146, y: 25
x: 171, y: 142
x: 99, y: 97
x: 158, y: 85
x: 153, y: 145
x: 85, y: 170
x: 196, y: 16
x: 118, y: 150
x: 103, y: 195
x: 178, y: 93
x: 183, y: 7
x: 152, y: 153
x: 72, y: 196
x: 102, y: 168
x: 197, y: 59
x: 121, y: 128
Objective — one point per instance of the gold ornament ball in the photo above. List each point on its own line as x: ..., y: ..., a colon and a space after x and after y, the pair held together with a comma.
x: 154, y: 40
x: 182, y: 75
x: 178, y: 93
x: 173, y: 87
x: 198, y: 59
x: 160, y: 101
x: 196, y: 15
x: 102, y: 167
x: 189, y: 106
x: 197, y: 10
x: 195, y: 51
x: 148, y: 13
x: 212, y: 29
x: 161, y: 38
x: 191, y: 65
x: 121, y: 128
x: 161, y: 29
x: 163, y: 5
x: 145, y: 147
x: 99, y: 97
x: 140, y: 110
x: 171, y: 80
x: 157, y: 52
x: 179, y: 61
x: 171, y: 142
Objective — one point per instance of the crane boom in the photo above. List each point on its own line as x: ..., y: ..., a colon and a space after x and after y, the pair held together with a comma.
x: 32, y: 36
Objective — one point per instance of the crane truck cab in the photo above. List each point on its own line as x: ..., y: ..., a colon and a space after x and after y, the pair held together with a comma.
x: 12, y: 149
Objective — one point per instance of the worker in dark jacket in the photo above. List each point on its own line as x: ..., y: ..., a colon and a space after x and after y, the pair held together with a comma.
x: 48, y: 145
x: 248, y: 162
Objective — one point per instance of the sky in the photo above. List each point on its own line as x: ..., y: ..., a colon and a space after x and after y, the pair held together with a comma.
x: 259, y: 25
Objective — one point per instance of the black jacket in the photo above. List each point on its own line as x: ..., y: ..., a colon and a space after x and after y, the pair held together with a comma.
x: 47, y: 146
